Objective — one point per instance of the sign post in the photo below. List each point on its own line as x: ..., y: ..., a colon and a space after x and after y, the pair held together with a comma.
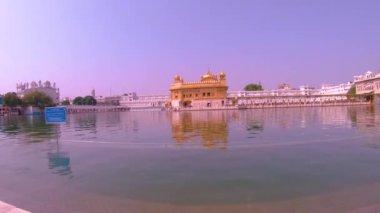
x: 58, y: 115
x: 55, y: 115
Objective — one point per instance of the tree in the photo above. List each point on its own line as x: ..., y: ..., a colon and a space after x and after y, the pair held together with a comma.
x: 37, y: 99
x: 11, y: 100
x: 253, y: 87
x: 78, y: 101
x: 65, y: 102
x: 352, y: 91
x: 89, y: 100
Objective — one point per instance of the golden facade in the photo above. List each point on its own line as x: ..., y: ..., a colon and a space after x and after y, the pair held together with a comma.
x: 209, y: 89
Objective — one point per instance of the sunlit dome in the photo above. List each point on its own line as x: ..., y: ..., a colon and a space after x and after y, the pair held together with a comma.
x: 209, y: 77
x: 177, y: 78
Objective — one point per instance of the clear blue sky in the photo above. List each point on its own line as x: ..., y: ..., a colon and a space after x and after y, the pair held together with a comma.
x: 120, y: 46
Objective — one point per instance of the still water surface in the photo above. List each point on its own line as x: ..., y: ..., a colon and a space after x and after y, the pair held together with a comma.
x: 271, y: 160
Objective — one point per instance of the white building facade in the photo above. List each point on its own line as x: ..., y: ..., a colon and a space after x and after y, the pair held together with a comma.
x: 47, y: 88
x: 135, y: 102
x: 367, y: 83
x: 339, y: 89
x: 108, y: 100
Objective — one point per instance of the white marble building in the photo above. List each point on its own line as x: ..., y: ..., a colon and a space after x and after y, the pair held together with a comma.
x: 367, y: 83
x: 108, y: 100
x: 339, y: 89
x: 47, y: 88
x: 367, y: 76
x: 134, y: 102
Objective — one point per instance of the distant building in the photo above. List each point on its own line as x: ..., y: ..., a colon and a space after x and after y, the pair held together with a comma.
x: 367, y: 83
x: 128, y: 97
x: 339, y: 89
x: 210, y: 91
x: 108, y: 100
x: 100, y: 100
x: 284, y: 86
x: 133, y: 101
x: 367, y: 76
x: 285, y: 91
x: 51, y: 90
x: 307, y: 90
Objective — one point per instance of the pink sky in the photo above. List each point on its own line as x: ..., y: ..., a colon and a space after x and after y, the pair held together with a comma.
x: 124, y: 46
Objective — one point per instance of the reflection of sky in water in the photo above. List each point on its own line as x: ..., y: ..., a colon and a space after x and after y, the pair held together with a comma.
x: 201, y: 157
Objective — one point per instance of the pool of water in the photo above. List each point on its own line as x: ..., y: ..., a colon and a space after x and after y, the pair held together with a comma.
x: 265, y: 160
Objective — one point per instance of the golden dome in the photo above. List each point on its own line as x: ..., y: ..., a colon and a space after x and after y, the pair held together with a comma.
x: 209, y: 77
x: 208, y: 74
x: 177, y: 78
x: 222, y: 76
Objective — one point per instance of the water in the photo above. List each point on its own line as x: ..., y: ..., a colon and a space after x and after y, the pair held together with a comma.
x: 270, y: 160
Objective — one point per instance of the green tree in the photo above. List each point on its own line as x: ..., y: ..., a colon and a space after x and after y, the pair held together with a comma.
x: 352, y: 91
x: 253, y: 87
x: 65, y: 102
x: 37, y: 99
x: 78, y: 101
x: 89, y: 100
x: 11, y: 100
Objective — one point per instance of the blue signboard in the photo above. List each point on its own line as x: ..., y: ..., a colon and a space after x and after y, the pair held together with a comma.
x: 1, y: 101
x: 55, y: 115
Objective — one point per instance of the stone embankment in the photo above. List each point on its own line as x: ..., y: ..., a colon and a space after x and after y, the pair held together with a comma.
x: 4, y: 111
x: 85, y: 109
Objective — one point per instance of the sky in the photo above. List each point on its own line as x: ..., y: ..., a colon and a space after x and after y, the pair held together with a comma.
x: 119, y: 46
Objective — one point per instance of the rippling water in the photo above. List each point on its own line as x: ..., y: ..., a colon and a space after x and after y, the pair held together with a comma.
x: 270, y: 160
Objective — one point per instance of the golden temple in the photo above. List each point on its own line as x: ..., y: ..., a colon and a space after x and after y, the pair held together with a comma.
x: 210, y: 91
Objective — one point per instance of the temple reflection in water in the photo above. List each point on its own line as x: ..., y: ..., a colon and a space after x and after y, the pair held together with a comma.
x: 206, y: 128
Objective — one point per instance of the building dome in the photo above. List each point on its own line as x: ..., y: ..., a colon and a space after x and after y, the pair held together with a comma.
x: 177, y: 79
x: 34, y: 84
x: 47, y: 84
x: 369, y: 74
x: 222, y: 76
x: 209, y: 77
